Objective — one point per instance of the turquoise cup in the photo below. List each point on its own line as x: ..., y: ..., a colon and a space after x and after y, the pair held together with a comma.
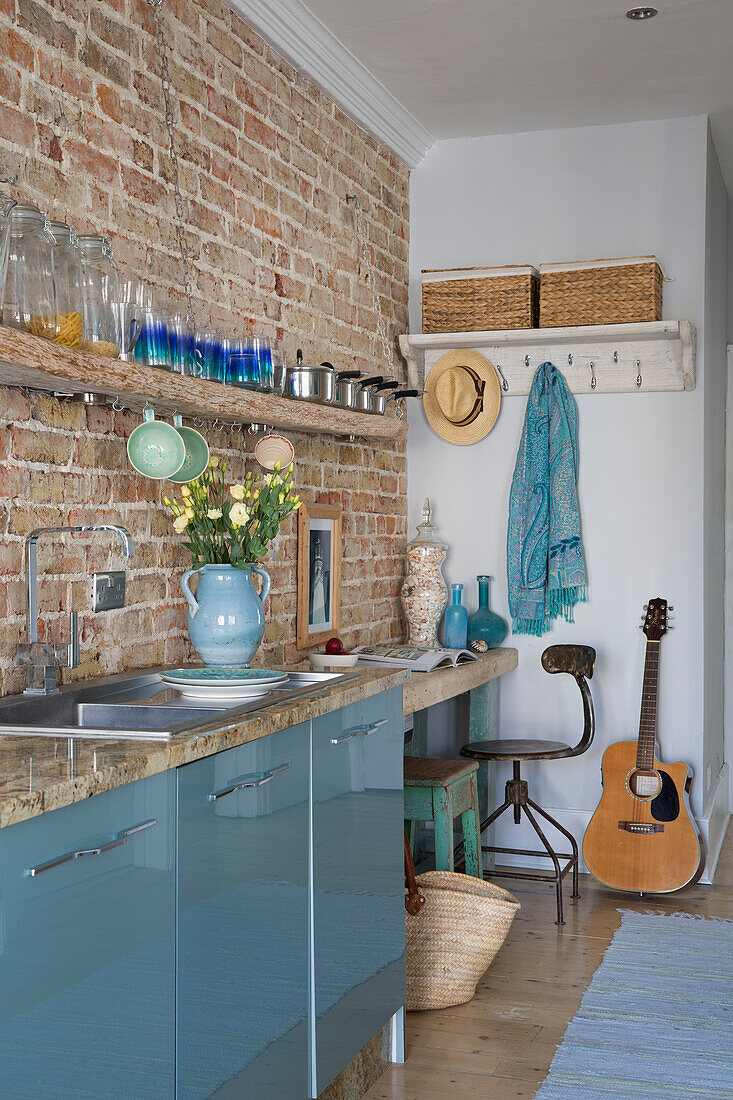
x: 197, y: 453
x: 156, y: 449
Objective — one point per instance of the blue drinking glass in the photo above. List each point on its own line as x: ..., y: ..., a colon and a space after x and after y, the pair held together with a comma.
x: 211, y: 353
x: 181, y: 346
x: 243, y: 367
x: 263, y: 353
x: 152, y: 345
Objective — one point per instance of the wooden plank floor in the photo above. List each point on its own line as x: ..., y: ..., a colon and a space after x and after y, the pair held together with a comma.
x: 500, y: 1045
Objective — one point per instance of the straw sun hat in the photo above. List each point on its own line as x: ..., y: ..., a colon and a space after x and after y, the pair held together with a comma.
x: 462, y: 397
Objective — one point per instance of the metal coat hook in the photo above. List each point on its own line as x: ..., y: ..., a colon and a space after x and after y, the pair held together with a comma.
x: 147, y: 405
x: 526, y: 360
x: 236, y: 428
x: 615, y: 357
x: 117, y: 404
x: 253, y: 429
x: 221, y: 427
x: 501, y: 375
x: 570, y: 358
x: 639, y: 379
x: 593, y: 380
x: 197, y: 422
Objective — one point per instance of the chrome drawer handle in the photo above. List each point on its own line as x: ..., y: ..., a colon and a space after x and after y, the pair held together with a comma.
x: 119, y: 840
x: 248, y: 782
x: 359, y: 731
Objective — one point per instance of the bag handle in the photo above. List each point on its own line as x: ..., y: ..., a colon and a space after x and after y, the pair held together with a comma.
x: 414, y: 900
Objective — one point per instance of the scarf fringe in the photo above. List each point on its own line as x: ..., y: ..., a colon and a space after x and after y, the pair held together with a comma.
x: 560, y: 603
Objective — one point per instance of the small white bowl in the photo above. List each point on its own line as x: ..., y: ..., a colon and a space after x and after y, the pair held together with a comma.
x: 333, y: 660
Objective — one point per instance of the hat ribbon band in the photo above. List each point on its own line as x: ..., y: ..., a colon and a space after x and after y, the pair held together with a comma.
x: 478, y: 403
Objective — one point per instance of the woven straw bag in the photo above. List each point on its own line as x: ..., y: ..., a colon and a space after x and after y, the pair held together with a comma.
x: 454, y: 936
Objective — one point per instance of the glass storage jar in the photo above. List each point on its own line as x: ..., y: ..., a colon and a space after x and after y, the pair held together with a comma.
x: 29, y: 295
x: 424, y: 593
x: 68, y: 281
x: 101, y: 295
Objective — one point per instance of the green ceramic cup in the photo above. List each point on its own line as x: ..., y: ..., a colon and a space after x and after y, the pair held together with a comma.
x: 197, y: 453
x: 155, y: 449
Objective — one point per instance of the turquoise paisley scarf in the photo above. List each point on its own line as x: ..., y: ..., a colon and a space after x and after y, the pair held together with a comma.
x: 545, y: 564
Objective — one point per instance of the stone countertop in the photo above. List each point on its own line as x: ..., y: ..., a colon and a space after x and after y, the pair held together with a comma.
x: 425, y: 689
x: 39, y: 774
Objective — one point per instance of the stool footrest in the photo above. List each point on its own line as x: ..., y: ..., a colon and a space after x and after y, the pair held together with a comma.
x: 534, y: 876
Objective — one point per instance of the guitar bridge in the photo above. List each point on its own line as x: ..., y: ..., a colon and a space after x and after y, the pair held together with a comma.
x: 645, y: 827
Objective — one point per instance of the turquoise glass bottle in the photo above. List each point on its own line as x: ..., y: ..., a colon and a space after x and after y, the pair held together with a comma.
x: 484, y: 625
x: 456, y: 621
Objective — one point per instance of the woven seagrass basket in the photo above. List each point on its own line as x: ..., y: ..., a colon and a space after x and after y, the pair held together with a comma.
x: 600, y: 292
x: 453, y: 939
x: 475, y: 299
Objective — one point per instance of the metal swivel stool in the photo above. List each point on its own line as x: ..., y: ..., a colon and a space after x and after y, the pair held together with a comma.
x: 577, y: 660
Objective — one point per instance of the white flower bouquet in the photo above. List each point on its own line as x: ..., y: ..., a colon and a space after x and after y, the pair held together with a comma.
x: 232, y: 525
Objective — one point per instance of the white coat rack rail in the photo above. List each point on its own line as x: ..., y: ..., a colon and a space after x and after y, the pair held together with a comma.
x: 633, y: 358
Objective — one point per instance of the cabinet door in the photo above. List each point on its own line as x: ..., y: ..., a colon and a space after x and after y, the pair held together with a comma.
x: 87, y: 968
x: 358, y: 877
x: 242, y: 986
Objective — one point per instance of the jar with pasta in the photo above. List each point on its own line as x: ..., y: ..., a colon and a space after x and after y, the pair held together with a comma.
x: 29, y: 295
x: 100, y: 280
x: 68, y: 280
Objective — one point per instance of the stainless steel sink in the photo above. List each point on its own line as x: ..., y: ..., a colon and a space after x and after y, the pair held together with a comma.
x: 139, y: 706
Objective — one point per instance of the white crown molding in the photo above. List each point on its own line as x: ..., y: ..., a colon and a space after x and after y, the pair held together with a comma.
x: 302, y: 38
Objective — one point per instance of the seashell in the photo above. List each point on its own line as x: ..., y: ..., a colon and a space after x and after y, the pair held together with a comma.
x: 274, y: 448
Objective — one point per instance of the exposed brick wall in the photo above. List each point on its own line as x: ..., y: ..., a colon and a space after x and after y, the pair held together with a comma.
x: 266, y: 163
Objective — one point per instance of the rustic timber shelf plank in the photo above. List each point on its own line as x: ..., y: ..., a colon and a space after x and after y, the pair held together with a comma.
x: 660, y: 353
x: 39, y: 364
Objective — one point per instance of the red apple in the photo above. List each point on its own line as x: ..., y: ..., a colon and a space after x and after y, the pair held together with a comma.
x: 334, y: 646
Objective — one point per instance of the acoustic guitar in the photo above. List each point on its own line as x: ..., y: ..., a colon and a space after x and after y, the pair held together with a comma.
x: 642, y: 837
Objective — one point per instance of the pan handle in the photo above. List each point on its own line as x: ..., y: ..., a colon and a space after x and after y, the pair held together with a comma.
x: 403, y: 393
x: 371, y: 381
x: 386, y: 386
x: 347, y: 374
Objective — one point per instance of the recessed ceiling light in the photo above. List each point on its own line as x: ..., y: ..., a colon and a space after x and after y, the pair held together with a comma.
x: 641, y: 13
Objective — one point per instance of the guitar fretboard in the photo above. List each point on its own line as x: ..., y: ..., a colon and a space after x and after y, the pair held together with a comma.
x: 648, y: 719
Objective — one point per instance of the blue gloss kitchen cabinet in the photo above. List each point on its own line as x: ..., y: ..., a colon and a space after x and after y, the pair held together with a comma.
x: 243, y: 924
x: 358, y: 878
x: 87, y: 940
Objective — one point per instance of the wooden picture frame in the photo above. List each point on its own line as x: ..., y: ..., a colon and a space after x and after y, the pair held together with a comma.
x: 319, y: 574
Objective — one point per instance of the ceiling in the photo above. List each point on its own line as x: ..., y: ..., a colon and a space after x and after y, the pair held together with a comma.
x: 464, y: 68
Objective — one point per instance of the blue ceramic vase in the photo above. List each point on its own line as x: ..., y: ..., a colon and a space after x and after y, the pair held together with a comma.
x: 226, y: 617
x: 484, y: 625
x: 456, y: 621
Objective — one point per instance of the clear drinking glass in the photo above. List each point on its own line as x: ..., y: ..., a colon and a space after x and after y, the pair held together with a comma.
x: 68, y: 281
x: 277, y: 354
x: 101, y: 294
x: 29, y: 295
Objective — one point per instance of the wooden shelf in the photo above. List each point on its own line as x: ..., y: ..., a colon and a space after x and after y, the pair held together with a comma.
x: 39, y: 364
x: 665, y: 351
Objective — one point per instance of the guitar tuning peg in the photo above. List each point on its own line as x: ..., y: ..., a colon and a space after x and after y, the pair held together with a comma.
x: 646, y: 606
x: 671, y: 608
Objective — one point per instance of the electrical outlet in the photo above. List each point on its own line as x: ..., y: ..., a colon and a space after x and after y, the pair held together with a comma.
x: 108, y: 590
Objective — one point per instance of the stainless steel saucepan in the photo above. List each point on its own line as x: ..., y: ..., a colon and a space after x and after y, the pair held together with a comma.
x: 347, y: 387
x: 380, y: 399
x: 368, y: 389
x: 310, y: 382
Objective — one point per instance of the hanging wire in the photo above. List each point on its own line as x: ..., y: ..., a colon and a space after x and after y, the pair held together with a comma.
x: 165, y: 80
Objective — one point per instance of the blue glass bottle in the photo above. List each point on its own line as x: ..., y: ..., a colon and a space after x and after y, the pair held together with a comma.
x: 456, y: 621
x: 484, y: 625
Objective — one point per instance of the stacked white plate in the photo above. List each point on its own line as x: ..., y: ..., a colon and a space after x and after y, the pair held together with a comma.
x: 223, y: 683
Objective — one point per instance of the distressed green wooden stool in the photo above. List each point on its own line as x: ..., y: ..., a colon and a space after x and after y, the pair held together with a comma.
x: 439, y: 791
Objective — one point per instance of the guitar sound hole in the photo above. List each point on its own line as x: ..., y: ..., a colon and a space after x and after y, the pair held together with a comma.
x: 644, y: 784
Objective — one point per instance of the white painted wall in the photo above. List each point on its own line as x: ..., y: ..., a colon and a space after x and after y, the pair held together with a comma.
x: 624, y: 190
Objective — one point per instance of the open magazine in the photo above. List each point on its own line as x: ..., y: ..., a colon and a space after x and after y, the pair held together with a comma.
x: 413, y: 657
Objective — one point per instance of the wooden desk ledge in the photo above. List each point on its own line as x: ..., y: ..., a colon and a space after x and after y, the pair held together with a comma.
x: 425, y: 689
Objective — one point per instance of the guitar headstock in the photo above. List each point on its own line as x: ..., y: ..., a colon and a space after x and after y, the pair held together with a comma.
x: 655, y: 621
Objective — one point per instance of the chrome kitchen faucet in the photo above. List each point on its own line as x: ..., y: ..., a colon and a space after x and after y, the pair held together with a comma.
x: 44, y: 659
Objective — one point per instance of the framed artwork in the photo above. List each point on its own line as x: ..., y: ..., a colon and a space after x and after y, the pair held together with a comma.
x: 319, y: 574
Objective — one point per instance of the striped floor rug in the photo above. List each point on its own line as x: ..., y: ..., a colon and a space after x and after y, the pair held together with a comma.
x: 656, y: 1022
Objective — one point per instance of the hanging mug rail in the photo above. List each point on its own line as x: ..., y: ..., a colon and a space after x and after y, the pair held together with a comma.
x: 595, y: 359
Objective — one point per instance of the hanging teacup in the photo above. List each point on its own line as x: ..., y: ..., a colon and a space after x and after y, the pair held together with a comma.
x: 272, y: 449
x: 155, y: 449
x: 197, y: 453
